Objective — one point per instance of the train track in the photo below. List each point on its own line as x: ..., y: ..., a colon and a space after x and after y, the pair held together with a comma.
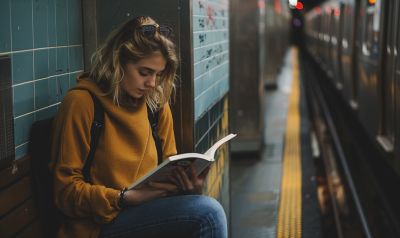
x: 345, y: 204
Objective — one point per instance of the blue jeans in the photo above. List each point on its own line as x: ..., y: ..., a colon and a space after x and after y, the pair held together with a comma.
x: 178, y: 216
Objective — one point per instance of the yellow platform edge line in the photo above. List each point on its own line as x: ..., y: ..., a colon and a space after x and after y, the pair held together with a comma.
x: 289, y: 217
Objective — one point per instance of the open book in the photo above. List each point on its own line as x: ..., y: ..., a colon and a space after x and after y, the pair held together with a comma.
x: 164, y: 170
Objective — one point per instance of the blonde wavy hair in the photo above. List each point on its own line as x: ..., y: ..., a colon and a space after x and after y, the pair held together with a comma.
x: 128, y: 44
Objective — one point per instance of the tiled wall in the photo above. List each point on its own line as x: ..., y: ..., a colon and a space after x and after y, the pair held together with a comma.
x: 44, y: 41
x: 211, y: 53
x: 212, y: 127
x: 211, y: 84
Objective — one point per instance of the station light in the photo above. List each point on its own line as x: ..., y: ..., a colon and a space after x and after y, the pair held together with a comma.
x: 261, y: 4
x: 292, y: 3
x: 336, y: 12
x: 278, y: 6
x: 299, y: 6
x: 371, y: 2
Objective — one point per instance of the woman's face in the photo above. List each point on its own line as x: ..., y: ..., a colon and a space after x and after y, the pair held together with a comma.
x: 141, y: 76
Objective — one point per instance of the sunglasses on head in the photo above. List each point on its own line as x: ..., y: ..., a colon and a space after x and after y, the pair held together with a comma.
x: 150, y: 30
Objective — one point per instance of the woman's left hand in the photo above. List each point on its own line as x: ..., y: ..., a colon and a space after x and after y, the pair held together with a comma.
x: 188, y: 182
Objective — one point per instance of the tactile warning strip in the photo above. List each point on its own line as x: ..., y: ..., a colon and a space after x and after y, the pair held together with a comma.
x: 289, y: 218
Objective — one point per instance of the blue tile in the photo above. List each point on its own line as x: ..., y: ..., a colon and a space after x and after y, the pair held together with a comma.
x: 41, y: 63
x: 62, y: 22
x: 75, y: 58
x: 51, y: 16
x: 21, y: 151
x: 200, y: 105
x: 62, y: 60
x: 202, y: 145
x: 21, y: 128
x: 52, y: 61
x: 21, y: 24
x: 196, y: 41
x: 22, y: 67
x: 212, y: 96
x: 5, y: 36
x: 199, y: 69
x: 46, y: 113
x: 45, y: 92
x: 23, y: 99
x: 72, y: 79
x: 214, y: 113
x: 213, y: 134
x: 40, y: 23
x: 202, y: 126
x: 75, y: 22
x: 199, y: 23
x: 199, y: 7
x: 63, y: 86
x: 198, y: 84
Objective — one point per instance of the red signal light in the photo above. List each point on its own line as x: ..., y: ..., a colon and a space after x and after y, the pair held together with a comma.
x: 336, y: 12
x: 299, y: 6
x: 261, y: 4
x: 278, y: 6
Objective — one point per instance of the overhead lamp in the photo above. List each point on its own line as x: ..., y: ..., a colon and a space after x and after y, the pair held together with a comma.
x: 292, y: 3
x: 299, y: 6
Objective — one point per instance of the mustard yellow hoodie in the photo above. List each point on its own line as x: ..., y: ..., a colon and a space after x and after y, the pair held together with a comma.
x: 126, y: 151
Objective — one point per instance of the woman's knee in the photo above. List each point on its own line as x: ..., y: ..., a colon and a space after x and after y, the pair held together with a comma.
x: 210, y: 206
x: 212, y: 216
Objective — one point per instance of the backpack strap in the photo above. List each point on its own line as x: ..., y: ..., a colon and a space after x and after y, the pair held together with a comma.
x: 153, y: 119
x: 95, y: 132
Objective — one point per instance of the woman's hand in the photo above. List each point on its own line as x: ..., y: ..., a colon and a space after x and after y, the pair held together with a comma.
x: 147, y: 193
x: 188, y: 182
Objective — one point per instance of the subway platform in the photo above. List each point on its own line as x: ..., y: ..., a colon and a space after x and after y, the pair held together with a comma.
x: 273, y: 194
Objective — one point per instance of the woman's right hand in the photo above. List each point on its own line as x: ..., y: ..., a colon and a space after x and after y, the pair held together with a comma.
x: 147, y: 193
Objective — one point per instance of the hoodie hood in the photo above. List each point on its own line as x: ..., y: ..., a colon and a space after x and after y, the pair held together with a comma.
x: 85, y: 83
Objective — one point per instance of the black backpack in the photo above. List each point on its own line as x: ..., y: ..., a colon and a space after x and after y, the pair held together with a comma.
x: 39, y: 150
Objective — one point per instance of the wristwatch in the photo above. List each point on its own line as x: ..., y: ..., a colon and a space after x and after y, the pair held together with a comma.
x: 122, y: 198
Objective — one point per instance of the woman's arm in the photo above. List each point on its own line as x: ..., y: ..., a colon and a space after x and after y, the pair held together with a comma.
x: 71, y: 144
x: 148, y: 193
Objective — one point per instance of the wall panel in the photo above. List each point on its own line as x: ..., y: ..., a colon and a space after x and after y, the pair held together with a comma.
x: 44, y: 41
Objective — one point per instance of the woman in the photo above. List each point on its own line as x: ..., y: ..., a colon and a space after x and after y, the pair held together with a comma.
x: 135, y: 69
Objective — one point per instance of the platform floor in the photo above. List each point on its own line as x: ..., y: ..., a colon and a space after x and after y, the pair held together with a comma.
x: 271, y: 198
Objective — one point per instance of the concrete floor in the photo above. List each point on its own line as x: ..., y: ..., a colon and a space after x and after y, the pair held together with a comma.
x: 256, y: 179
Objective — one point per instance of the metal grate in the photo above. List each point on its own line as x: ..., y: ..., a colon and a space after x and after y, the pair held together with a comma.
x: 7, y: 152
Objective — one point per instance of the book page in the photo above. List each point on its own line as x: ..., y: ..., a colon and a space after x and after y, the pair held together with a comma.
x: 164, y: 173
x: 166, y: 169
x: 211, y: 152
x: 189, y: 155
x: 200, y: 165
